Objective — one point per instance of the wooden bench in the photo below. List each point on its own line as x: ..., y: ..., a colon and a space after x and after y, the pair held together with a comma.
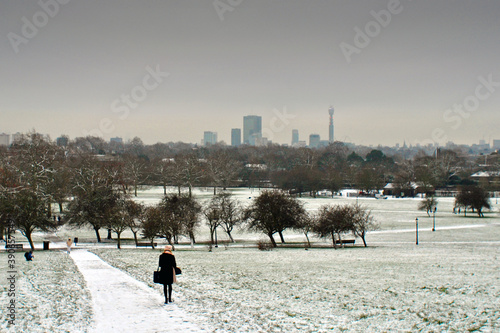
x: 346, y: 241
x: 145, y: 244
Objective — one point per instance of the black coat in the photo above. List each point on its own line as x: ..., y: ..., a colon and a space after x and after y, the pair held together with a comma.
x: 167, y: 264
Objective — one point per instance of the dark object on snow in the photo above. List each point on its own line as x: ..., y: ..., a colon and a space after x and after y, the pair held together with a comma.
x: 45, y: 245
x: 156, y: 276
x: 29, y: 256
x: 177, y: 271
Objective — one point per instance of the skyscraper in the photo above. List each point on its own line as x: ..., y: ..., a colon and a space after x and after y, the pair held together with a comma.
x: 314, y: 140
x: 209, y: 138
x: 252, y: 129
x: 295, y: 137
x: 330, y: 128
x: 235, y: 137
x: 4, y: 139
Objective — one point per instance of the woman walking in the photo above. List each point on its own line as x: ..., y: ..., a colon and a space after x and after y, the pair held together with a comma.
x: 68, y: 244
x: 167, y: 272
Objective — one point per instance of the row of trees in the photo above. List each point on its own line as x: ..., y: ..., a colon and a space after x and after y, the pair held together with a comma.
x: 271, y: 213
x: 295, y: 169
x: 34, y: 173
x: 470, y: 197
x: 94, y: 189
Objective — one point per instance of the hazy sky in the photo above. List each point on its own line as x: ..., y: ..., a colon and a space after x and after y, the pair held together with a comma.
x: 168, y: 70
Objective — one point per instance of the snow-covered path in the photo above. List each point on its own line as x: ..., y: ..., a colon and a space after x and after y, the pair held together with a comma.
x: 123, y: 304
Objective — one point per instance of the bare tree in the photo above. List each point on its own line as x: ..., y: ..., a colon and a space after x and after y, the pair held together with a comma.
x: 119, y: 219
x: 223, y: 169
x: 229, y: 212
x: 134, y: 171
x: 362, y: 221
x: 94, y: 196
x: 306, y: 225
x: 189, y: 168
x: 28, y: 211
x: 272, y: 212
x: 428, y: 204
x: 136, y: 213
x: 212, y: 216
x: 181, y: 212
x: 332, y: 221
x: 473, y: 197
x: 28, y: 194
x: 153, y: 225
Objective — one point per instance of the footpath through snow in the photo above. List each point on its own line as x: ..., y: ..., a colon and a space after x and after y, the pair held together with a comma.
x: 123, y: 304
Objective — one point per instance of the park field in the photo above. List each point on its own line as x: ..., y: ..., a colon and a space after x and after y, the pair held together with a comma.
x: 450, y: 281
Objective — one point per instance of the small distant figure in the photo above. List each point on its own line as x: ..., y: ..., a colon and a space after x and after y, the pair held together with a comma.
x: 75, y: 240
x: 69, y: 242
x: 454, y: 210
x: 58, y: 218
x: 29, y: 256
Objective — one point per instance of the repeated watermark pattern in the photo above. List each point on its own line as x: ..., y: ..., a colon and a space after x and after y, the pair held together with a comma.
x: 372, y: 29
x: 123, y: 105
x: 30, y: 27
x: 11, y: 273
x: 455, y: 115
x: 224, y: 6
x: 278, y: 123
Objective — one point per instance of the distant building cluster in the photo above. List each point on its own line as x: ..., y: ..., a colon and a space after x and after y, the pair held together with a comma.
x: 7, y: 139
x: 252, y: 134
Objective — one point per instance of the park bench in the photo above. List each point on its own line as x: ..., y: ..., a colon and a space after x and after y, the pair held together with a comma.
x: 145, y: 244
x: 346, y: 241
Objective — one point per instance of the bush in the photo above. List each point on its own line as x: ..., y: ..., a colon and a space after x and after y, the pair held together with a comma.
x: 264, y: 246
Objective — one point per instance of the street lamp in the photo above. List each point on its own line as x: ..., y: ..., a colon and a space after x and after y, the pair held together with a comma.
x: 416, y: 230
x: 434, y: 219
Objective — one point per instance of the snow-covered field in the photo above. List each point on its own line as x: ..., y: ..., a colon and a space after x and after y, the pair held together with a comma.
x: 392, y: 214
x: 449, y: 282
x: 51, y: 294
x: 397, y: 287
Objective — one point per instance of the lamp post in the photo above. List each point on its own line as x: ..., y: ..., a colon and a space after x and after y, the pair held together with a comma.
x: 434, y: 219
x: 416, y: 230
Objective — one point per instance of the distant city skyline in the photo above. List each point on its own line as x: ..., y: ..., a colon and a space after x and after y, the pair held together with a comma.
x: 396, y: 71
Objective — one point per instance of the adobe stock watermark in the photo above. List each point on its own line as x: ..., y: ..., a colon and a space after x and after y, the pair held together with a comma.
x: 127, y: 102
x: 456, y: 115
x: 11, y: 270
x: 224, y: 6
x: 30, y: 28
x: 278, y: 123
x: 363, y: 37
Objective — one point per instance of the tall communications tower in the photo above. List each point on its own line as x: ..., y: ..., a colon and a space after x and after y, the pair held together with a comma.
x: 330, y: 128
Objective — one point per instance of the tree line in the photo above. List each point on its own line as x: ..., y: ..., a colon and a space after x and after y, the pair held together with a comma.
x: 92, y: 183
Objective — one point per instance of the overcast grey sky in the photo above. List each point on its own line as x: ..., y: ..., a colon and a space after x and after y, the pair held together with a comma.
x: 169, y: 70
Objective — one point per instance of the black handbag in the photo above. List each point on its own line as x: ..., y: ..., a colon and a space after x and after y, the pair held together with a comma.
x: 177, y: 271
x: 156, y: 276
